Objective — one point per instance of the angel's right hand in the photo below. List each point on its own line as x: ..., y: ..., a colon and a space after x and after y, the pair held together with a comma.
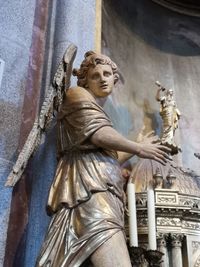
x: 155, y: 151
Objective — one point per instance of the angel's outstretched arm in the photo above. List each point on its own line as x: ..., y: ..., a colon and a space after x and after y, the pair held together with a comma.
x: 108, y: 138
x: 150, y: 137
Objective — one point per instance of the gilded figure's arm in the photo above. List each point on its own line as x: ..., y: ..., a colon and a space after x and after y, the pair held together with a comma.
x: 159, y: 96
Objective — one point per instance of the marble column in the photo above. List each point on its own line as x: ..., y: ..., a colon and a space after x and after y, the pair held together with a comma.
x: 176, y: 243
x: 162, y: 247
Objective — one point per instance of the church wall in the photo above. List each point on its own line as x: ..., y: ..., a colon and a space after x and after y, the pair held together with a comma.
x: 149, y: 43
x: 16, y: 36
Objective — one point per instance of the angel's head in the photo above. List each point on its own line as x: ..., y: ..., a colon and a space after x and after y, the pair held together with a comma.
x: 97, y: 73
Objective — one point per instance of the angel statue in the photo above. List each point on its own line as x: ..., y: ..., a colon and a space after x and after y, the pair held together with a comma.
x: 170, y: 115
x: 86, y: 199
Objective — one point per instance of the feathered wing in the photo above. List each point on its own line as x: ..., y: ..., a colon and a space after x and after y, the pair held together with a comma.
x: 52, y: 101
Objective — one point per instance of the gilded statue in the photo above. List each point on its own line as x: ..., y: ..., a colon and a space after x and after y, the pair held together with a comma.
x: 170, y: 115
x: 86, y: 199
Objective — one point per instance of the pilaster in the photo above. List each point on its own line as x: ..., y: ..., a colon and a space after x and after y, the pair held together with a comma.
x: 162, y: 242
x: 176, y: 243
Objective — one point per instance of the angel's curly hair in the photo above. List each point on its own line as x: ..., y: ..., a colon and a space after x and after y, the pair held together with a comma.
x: 92, y: 59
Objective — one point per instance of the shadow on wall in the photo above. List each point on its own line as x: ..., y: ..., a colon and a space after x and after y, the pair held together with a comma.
x: 159, y: 27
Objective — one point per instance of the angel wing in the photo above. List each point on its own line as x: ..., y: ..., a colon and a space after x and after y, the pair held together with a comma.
x: 52, y: 101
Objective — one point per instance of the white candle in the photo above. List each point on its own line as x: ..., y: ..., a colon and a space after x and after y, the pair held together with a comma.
x: 151, y: 219
x: 133, y: 237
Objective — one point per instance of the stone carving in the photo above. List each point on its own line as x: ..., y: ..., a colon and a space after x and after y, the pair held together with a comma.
x: 195, y: 245
x: 189, y: 202
x: 162, y: 242
x: 171, y: 179
x: 142, y: 222
x: 176, y: 239
x: 191, y: 225
x: 197, y: 263
x: 186, y: 202
x: 196, y: 253
x: 167, y: 199
x: 162, y: 238
x: 177, y: 222
x: 176, y: 243
x: 158, y: 179
x: 170, y: 116
x: 86, y: 198
x: 141, y: 201
x: 168, y: 222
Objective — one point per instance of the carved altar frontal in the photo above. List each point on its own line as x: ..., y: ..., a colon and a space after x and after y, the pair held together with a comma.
x: 177, y: 224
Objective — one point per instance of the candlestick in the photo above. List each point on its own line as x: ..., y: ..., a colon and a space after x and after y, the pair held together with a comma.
x: 136, y: 255
x: 133, y: 237
x: 153, y: 257
x: 151, y: 219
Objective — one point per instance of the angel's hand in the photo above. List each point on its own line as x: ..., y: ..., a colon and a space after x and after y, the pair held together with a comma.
x: 154, y: 151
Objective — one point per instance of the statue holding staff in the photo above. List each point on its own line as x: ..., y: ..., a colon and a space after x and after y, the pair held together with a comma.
x: 170, y: 115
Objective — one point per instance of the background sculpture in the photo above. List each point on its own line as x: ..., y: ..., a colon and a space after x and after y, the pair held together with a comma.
x: 170, y: 116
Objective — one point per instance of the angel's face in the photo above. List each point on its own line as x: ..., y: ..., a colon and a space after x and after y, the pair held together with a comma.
x: 100, y: 80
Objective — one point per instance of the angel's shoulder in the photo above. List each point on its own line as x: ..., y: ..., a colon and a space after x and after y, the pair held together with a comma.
x: 77, y: 94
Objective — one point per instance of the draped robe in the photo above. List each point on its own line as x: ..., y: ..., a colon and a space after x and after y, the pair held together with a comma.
x: 86, y: 198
